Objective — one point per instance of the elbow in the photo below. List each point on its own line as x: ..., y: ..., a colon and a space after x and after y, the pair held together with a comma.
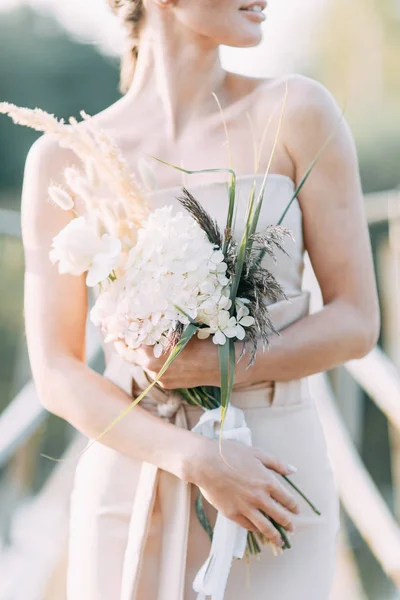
x: 367, y: 335
x: 50, y: 381
x: 46, y: 389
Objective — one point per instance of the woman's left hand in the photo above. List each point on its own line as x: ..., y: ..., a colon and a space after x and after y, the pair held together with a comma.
x: 197, y: 365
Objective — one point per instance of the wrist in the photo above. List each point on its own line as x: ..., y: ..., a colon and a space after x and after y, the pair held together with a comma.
x: 246, y: 375
x: 193, y: 458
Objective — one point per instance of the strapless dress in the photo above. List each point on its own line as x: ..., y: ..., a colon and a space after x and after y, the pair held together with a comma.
x: 168, y: 544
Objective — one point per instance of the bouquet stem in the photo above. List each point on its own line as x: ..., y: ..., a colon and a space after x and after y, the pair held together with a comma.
x: 209, y: 398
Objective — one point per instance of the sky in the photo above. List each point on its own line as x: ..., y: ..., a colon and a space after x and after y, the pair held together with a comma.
x: 287, y: 32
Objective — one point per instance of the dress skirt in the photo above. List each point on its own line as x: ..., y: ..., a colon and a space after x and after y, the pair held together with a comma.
x: 172, y: 546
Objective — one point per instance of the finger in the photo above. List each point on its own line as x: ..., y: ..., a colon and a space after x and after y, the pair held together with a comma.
x: 280, y: 514
x: 278, y: 492
x: 126, y: 353
x: 264, y: 525
x: 274, y: 463
x: 243, y: 522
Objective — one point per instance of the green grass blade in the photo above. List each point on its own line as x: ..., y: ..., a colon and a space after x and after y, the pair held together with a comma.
x: 232, y: 367
x: 191, y: 172
x: 192, y: 321
x: 223, y: 356
x: 241, y: 255
x: 301, y: 494
x: 231, y: 210
x: 242, y: 250
x: 227, y: 366
x: 310, y: 168
x: 260, y: 198
x: 187, y: 335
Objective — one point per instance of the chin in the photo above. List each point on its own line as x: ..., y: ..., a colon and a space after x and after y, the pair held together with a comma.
x: 248, y: 40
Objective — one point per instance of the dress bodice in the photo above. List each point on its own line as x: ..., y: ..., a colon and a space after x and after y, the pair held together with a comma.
x: 288, y: 268
x: 279, y: 190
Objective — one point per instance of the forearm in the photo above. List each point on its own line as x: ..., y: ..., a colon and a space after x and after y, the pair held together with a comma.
x: 315, y: 343
x: 90, y: 402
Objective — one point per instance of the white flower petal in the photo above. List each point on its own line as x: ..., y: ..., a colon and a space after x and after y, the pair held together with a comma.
x: 204, y: 333
x: 219, y: 338
x: 207, y: 287
x: 217, y: 256
x: 222, y: 267
x: 242, y: 311
x: 225, y: 302
x: 223, y: 280
x: 247, y: 321
x: 240, y: 332
x: 232, y: 322
x: 231, y: 332
x: 158, y: 350
x: 223, y: 318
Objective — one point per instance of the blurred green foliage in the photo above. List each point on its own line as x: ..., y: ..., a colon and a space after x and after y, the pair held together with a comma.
x: 356, y: 50
x: 42, y: 66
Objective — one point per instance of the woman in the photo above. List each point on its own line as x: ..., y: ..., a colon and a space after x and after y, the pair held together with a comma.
x: 169, y: 73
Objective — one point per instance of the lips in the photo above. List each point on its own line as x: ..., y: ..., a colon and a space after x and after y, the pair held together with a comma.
x: 257, y: 6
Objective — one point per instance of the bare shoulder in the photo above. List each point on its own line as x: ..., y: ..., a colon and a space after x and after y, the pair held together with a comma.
x: 314, y: 117
x: 47, y: 152
x: 44, y: 165
x: 310, y: 104
x: 46, y: 159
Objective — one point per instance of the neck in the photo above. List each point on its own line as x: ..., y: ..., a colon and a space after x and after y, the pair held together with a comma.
x: 181, y: 71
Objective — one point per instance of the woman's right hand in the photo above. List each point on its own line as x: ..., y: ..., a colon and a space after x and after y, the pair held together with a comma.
x: 245, y: 486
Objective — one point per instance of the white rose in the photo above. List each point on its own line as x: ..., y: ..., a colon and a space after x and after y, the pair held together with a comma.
x: 104, y: 261
x: 78, y: 248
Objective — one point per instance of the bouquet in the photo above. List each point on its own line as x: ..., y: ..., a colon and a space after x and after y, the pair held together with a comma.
x: 164, y: 277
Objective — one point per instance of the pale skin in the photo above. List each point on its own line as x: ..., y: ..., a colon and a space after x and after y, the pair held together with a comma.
x: 170, y: 112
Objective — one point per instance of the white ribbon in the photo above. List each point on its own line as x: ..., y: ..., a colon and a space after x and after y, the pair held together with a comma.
x: 229, y: 538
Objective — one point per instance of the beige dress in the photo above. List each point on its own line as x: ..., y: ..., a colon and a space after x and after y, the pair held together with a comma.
x: 166, y: 544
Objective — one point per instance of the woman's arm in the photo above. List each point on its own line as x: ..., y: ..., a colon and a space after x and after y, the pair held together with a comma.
x: 55, y: 320
x: 337, y: 239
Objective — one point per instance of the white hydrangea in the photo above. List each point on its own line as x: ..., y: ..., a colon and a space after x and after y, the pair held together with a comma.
x: 172, y: 273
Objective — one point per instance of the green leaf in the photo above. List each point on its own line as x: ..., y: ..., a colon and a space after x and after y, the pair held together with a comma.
x: 232, y: 366
x: 227, y: 366
x: 192, y: 321
x: 231, y: 211
x: 201, y: 514
x: 223, y: 356
x: 302, y: 495
x: 243, y: 248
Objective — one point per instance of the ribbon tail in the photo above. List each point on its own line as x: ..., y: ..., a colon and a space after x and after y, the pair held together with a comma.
x: 138, y: 530
x: 229, y: 541
x: 176, y: 502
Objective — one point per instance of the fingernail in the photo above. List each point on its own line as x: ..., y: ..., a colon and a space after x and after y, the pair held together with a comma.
x: 291, y: 468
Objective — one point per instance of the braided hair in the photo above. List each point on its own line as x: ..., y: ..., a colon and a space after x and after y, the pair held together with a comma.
x: 131, y: 14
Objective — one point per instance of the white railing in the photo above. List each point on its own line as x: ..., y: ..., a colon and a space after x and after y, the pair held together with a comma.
x: 376, y: 374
